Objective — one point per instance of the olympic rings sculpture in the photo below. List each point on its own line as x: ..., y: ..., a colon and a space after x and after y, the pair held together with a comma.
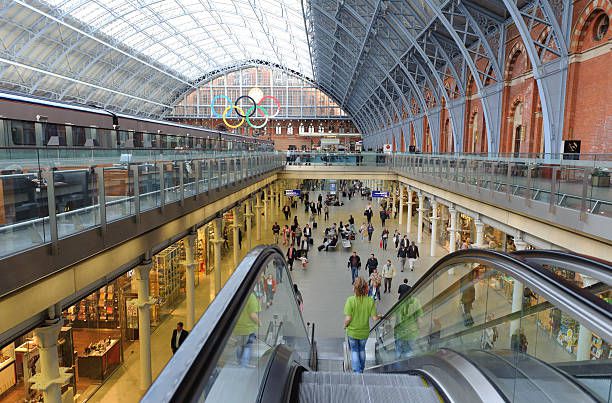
x: 245, y: 116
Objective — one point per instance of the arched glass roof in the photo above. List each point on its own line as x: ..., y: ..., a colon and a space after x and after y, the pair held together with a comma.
x: 193, y: 37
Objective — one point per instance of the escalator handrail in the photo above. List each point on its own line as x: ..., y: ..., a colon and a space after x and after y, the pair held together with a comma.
x: 582, y: 264
x: 186, y: 375
x: 592, y: 310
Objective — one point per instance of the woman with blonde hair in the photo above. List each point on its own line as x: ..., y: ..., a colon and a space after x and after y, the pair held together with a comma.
x: 358, y: 310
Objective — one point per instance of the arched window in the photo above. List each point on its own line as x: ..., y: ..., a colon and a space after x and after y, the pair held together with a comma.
x: 474, y: 133
x: 600, y: 28
x: 290, y: 130
x: 301, y: 128
x: 321, y: 130
x: 517, y: 129
x: 279, y: 130
x: 311, y: 128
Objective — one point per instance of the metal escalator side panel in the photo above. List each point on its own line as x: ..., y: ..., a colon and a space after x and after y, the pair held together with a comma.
x: 229, y: 350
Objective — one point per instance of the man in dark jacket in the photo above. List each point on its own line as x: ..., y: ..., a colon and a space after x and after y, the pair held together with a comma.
x: 354, y: 263
x: 383, y: 216
x: 178, y: 337
x: 413, y: 255
x: 368, y: 214
x: 291, y: 256
x: 371, y: 264
x: 403, y: 288
x: 402, y: 254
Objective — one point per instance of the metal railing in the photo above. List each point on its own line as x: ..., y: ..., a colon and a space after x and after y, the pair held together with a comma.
x: 41, y: 203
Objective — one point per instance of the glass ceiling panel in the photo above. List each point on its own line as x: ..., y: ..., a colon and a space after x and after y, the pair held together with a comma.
x: 194, y: 37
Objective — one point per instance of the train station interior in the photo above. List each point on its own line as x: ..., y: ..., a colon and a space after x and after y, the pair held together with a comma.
x: 310, y: 201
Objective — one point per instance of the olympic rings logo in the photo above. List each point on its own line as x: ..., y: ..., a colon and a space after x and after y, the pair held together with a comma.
x: 245, y: 116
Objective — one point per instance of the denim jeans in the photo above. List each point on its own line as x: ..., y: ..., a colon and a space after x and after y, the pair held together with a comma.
x: 243, y: 351
x: 403, y: 348
x: 358, y: 356
x: 354, y: 274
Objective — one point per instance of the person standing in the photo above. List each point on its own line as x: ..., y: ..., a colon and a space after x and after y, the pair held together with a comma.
x: 402, y: 254
x: 371, y: 264
x: 246, y: 330
x: 384, y: 238
x: 387, y: 272
x: 370, y: 231
x: 286, y: 212
x: 413, y: 255
x: 290, y: 257
x: 276, y: 232
x: 178, y: 337
x: 320, y: 198
x: 358, y: 309
x: 319, y: 208
x: 407, y: 324
x: 326, y: 212
x: 354, y: 264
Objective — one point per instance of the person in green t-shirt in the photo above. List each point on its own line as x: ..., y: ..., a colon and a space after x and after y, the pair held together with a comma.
x: 246, y: 330
x: 406, y: 330
x: 358, y: 310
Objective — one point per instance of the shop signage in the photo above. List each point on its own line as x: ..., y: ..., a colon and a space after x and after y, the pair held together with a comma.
x: 332, y: 188
x: 378, y: 193
x: 293, y: 192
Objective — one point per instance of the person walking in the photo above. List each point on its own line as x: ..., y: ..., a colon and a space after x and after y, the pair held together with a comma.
x: 387, y: 272
x: 384, y: 238
x: 370, y: 231
x: 404, y: 242
x: 413, y: 255
x: 298, y: 297
x: 363, y: 230
x: 307, y: 232
x: 383, y: 216
x: 403, y: 289
x: 286, y: 212
x: 319, y: 208
x: 375, y: 282
x: 285, y: 234
x: 354, y: 264
x: 358, y: 309
x: 276, y: 232
x: 178, y: 337
x: 291, y: 255
x: 396, y: 238
x: 351, y: 222
x: 402, y: 254
x: 368, y: 214
x: 298, y: 235
x: 371, y: 264
x: 304, y: 246
x: 326, y: 212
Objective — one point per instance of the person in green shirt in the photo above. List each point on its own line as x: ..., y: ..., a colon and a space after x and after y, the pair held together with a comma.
x: 406, y: 330
x: 246, y: 330
x: 358, y: 310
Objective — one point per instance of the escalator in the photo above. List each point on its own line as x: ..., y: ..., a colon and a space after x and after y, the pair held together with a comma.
x: 479, y: 326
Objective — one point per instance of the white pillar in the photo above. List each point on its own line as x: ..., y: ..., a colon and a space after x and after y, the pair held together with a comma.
x: 217, y: 243
x: 144, y: 322
x: 190, y: 265
x: 248, y: 215
x: 409, y: 213
x: 394, y: 199
x: 517, y: 291
x: 235, y: 227
x: 421, y: 210
x: 258, y: 207
x: 265, y: 204
x: 51, y: 377
x: 401, y: 205
x: 434, y: 227
x: 584, y: 344
x: 479, y: 234
x: 452, y: 238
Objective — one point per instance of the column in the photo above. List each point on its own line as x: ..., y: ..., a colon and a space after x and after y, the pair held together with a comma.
x: 51, y: 377
x: 584, y: 344
x: 434, y: 227
x: 452, y: 236
x: 421, y: 210
x: 517, y: 291
x: 401, y: 205
x: 217, y: 243
x: 190, y: 266
x: 394, y: 199
x: 265, y: 204
x: 409, y: 213
x: 144, y: 321
x: 258, y: 207
x: 235, y: 226
x: 248, y: 215
x: 479, y: 234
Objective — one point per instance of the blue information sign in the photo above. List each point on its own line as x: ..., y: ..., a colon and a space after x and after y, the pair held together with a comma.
x: 293, y: 192
x: 378, y: 193
x: 332, y: 187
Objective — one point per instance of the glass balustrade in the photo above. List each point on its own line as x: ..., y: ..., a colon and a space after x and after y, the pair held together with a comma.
x: 74, y: 183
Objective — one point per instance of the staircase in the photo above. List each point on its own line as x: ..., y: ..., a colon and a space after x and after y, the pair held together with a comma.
x: 339, y: 387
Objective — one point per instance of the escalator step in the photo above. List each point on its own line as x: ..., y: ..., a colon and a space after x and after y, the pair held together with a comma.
x: 349, y: 378
x: 313, y: 393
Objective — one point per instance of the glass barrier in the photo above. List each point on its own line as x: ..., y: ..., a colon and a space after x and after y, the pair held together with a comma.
x: 269, y: 317
x: 125, y: 182
x: 471, y: 307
